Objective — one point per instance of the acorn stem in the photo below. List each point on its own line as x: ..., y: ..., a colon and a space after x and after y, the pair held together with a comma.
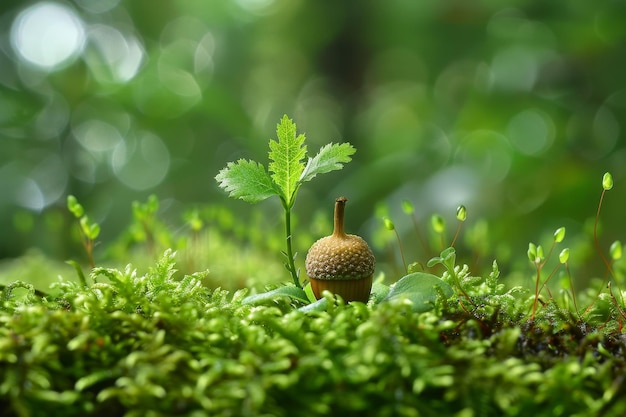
x: 340, y: 204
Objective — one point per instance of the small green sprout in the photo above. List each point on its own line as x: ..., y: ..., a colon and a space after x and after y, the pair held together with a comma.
x: 193, y: 219
x: 559, y: 235
x: 75, y: 207
x: 447, y: 258
x: 540, y: 255
x: 252, y: 183
x: 89, y: 231
x: 535, y: 253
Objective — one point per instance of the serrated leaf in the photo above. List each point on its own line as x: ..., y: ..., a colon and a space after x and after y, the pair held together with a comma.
x: 286, y: 156
x: 421, y: 289
x: 247, y: 180
x: 330, y: 157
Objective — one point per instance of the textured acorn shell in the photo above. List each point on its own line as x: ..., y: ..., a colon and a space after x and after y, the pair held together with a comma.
x: 343, y: 265
x: 340, y: 257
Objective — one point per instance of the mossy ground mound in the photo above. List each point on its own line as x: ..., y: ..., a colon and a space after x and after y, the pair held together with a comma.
x: 152, y: 345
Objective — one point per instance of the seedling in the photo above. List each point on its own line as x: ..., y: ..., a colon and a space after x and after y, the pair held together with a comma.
x: 447, y: 258
x: 537, y: 257
x: 144, y: 216
x: 252, y: 183
x: 89, y: 231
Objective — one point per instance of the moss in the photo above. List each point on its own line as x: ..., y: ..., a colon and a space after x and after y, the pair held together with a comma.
x: 157, y: 345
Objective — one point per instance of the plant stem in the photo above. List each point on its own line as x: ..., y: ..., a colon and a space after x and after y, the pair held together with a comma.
x: 609, y: 270
x: 291, y: 266
x: 88, y: 245
x: 406, y: 269
x: 571, y: 285
x: 458, y: 230
x: 535, y: 301
x: 595, y: 237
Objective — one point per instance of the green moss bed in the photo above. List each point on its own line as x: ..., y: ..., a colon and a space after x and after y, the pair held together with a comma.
x: 156, y: 344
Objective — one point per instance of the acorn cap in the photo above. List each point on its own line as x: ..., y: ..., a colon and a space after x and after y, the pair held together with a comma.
x: 340, y: 256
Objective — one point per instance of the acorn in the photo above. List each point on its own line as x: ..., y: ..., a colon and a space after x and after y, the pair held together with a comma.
x: 340, y: 263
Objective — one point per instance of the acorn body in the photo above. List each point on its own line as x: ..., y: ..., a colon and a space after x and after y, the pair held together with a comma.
x: 340, y: 263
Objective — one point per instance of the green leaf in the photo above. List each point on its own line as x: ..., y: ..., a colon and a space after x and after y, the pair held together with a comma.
x: 94, y: 231
x: 564, y: 256
x: 616, y: 250
x: 286, y: 157
x: 309, y: 293
x: 421, y: 289
x: 247, y: 180
x: 319, y: 305
x: 90, y: 230
x: 287, y: 291
x: 379, y: 291
x: 74, y: 206
x: 559, y: 235
x: 532, y: 252
x: 330, y: 157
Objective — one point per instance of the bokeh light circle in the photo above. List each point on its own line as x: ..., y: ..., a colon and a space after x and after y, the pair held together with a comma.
x: 531, y: 131
x: 141, y: 162
x: 48, y: 35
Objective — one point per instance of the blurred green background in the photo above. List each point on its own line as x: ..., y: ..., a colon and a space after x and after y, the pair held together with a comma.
x: 514, y: 109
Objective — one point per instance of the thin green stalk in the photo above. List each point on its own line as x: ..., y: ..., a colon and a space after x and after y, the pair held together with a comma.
x: 456, y: 235
x: 406, y: 269
x: 609, y: 270
x: 537, y: 279
x: 291, y: 266
x: 571, y: 285
x: 595, y: 237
